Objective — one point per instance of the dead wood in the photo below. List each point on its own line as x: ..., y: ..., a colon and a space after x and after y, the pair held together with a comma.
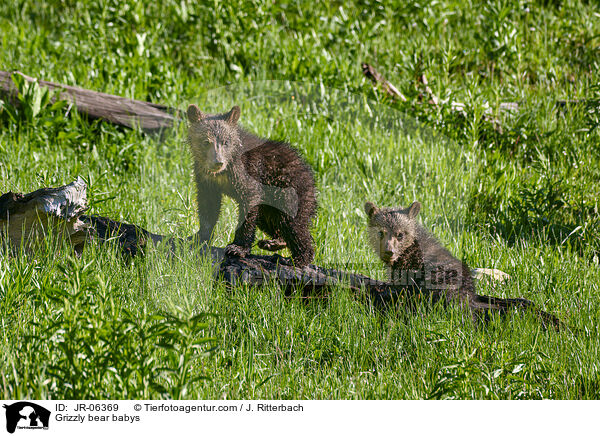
x: 28, y: 218
x: 117, y: 110
x: 64, y: 206
x: 377, y: 79
x: 457, y: 107
x: 425, y: 83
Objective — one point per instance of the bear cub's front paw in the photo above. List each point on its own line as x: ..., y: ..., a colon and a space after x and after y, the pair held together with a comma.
x: 234, y: 250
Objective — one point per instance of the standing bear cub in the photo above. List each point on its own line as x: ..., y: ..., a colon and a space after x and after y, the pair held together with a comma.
x: 272, y: 185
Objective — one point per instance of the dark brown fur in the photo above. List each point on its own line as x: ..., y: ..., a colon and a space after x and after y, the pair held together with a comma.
x: 415, y: 257
x: 271, y: 183
x: 413, y: 254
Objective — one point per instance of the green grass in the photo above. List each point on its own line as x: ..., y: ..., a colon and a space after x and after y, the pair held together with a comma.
x: 524, y: 200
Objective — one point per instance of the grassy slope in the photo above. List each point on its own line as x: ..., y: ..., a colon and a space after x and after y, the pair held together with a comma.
x: 524, y: 201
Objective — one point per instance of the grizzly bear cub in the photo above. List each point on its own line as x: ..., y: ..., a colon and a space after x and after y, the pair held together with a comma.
x: 412, y: 254
x: 272, y: 185
x: 415, y: 257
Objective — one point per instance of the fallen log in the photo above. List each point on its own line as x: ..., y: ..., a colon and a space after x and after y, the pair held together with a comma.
x: 26, y: 219
x: 20, y: 214
x: 121, y: 111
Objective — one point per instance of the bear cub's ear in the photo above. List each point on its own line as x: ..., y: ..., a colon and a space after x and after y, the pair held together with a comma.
x: 370, y: 209
x: 414, y: 209
x: 233, y: 115
x: 193, y: 113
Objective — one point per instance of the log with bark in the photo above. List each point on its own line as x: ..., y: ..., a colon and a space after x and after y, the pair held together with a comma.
x: 26, y: 219
x: 121, y: 111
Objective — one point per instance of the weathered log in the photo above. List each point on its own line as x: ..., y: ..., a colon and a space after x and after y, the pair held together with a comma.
x: 27, y: 218
x: 117, y: 110
x: 20, y: 213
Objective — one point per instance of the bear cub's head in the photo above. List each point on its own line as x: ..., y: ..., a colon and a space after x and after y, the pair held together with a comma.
x: 214, y: 139
x: 392, y: 230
